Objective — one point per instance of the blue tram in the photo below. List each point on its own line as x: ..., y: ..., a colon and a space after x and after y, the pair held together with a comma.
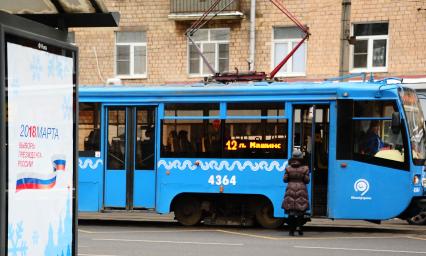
x: 214, y: 152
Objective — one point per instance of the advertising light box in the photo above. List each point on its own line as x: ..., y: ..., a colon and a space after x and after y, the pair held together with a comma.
x: 40, y: 132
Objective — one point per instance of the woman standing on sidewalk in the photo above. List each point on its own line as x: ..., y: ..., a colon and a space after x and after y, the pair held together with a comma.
x: 296, y: 201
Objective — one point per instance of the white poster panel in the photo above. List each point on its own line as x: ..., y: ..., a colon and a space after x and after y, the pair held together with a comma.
x: 40, y: 148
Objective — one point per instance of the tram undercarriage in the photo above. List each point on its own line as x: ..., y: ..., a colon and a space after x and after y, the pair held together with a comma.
x: 416, y: 212
x: 214, y: 209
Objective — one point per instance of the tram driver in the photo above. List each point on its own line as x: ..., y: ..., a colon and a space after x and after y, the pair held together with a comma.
x: 372, y: 143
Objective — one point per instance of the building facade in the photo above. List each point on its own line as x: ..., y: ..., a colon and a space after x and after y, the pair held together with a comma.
x: 347, y: 36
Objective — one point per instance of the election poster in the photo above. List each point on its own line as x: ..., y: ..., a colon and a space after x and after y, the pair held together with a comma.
x: 40, y: 150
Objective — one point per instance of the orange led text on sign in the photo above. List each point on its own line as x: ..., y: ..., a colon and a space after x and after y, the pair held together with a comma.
x: 233, y: 145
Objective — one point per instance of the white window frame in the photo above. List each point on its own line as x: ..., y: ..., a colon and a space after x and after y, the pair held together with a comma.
x: 132, y: 74
x: 216, y: 54
x: 369, y: 67
x: 286, y: 72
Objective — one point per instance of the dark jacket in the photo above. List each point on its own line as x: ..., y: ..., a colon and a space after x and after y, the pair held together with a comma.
x: 372, y: 143
x: 296, y: 194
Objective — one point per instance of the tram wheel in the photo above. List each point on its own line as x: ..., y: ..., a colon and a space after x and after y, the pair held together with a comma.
x: 188, y: 211
x: 419, y: 219
x: 265, y: 217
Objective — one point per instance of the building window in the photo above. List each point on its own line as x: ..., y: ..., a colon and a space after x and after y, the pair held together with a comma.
x: 214, y: 43
x: 284, y: 40
x: 131, y: 54
x: 369, y: 53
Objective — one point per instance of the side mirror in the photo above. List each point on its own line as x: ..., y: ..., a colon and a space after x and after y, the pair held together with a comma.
x: 396, y: 122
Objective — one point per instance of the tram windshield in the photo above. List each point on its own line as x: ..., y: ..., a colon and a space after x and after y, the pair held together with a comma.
x: 416, y: 125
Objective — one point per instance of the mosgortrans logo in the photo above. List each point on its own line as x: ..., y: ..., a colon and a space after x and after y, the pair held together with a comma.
x: 361, y: 188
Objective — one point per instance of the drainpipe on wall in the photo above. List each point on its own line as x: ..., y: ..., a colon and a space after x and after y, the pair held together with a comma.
x: 252, y: 45
x: 345, y: 34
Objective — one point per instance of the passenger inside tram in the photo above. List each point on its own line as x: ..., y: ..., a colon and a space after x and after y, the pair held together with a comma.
x: 116, y: 152
x: 212, y: 142
x: 91, y: 142
x: 185, y: 145
x: 321, y: 154
x: 172, y: 142
x: 147, y: 150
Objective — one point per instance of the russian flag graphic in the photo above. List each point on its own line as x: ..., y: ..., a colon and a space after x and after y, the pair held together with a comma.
x: 40, y: 181
x: 58, y: 162
x: 58, y: 165
x: 34, y: 181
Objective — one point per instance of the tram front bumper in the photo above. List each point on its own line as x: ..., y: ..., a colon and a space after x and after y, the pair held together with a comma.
x: 421, y: 202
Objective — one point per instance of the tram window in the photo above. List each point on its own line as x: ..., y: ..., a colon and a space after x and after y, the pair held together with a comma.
x: 344, y: 128
x: 116, y: 138
x: 416, y: 125
x: 372, y: 138
x: 191, y: 137
x: 374, y: 108
x: 88, y: 128
x: 192, y: 109
x: 255, y: 137
x: 253, y: 109
x: 145, y: 139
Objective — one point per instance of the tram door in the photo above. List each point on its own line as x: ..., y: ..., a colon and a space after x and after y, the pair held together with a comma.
x: 130, y: 158
x: 311, y: 136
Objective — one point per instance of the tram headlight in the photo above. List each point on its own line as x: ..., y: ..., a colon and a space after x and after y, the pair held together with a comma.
x: 416, y: 180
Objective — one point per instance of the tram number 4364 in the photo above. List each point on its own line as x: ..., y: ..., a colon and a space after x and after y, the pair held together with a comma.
x: 222, y: 180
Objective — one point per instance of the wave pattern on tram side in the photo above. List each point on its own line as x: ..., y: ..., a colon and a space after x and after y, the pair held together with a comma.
x: 223, y: 165
x: 90, y: 163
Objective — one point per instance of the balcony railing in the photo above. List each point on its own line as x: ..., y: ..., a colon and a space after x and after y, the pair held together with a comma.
x: 183, y: 7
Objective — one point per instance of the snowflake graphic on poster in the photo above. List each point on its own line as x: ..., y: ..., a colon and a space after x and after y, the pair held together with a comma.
x: 51, y: 67
x: 67, y: 107
x: 35, y: 237
x: 63, y: 246
x: 36, y: 68
x: 16, y: 245
x: 60, y: 69
x: 14, y: 85
x: 14, y: 80
x: 68, y: 69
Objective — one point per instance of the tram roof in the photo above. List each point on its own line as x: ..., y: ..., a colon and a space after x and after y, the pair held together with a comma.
x: 330, y: 90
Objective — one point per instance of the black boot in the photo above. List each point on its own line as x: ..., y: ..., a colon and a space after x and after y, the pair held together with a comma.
x: 300, y: 231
